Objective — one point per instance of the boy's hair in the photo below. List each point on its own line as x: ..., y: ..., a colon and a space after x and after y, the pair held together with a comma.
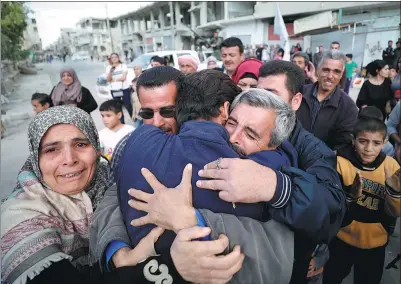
x: 370, y: 119
x: 349, y: 55
x: 42, y: 99
x: 111, y: 105
x: 203, y: 94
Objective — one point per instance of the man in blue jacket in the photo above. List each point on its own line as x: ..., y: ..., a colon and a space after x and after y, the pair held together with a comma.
x: 257, y: 125
x: 315, y: 208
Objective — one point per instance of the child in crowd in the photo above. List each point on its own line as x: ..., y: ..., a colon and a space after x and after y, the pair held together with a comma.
x: 109, y: 137
x: 40, y: 102
x: 371, y: 181
x: 136, y: 105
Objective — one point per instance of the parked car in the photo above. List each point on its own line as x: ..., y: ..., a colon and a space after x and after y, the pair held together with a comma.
x: 81, y: 55
x: 103, y: 87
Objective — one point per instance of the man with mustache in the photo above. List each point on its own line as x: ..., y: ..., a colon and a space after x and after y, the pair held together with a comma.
x: 326, y: 111
x: 232, y: 54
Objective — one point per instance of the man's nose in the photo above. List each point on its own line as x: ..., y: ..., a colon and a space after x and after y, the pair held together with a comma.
x: 158, y: 120
x: 235, y: 136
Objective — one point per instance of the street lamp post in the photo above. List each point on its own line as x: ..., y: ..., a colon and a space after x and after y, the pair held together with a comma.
x: 109, y: 28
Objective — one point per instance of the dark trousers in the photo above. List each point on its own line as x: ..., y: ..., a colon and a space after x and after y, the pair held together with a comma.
x: 368, y: 263
x: 126, y: 100
x: 348, y: 85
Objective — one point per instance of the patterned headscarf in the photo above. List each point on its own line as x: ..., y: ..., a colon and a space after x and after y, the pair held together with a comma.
x: 84, y: 122
x: 38, y: 225
x: 63, y: 94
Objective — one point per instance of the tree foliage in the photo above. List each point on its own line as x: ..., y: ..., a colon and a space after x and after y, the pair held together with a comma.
x: 13, y: 25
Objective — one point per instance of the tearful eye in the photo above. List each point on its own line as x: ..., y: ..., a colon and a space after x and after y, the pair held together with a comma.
x: 50, y: 150
x: 81, y: 145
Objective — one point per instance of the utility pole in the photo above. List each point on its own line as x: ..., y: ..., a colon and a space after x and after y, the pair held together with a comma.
x: 109, y: 28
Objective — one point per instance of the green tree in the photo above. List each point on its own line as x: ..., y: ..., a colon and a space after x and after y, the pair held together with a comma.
x: 13, y: 25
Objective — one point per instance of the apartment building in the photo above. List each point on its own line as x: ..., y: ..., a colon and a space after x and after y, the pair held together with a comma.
x: 93, y: 35
x: 31, y: 35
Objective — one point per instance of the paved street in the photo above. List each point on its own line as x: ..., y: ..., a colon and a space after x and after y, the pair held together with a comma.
x: 14, y: 148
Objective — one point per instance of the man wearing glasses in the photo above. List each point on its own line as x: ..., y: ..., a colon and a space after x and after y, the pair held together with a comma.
x: 326, y: 111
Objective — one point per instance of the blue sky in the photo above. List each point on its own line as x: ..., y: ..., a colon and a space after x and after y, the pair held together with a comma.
x: 52, y: 16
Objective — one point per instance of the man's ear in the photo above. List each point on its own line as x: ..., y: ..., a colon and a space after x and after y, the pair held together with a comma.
x: 296, y: 101
x: 224, y: 111
x: 120, y: 114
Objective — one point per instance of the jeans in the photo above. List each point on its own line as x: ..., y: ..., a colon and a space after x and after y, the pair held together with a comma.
x: 138, y: 123
x: 126, y: 100
x: 348, y: 85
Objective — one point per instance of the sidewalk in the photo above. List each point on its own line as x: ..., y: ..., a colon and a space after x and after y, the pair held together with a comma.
x: 14, y: 147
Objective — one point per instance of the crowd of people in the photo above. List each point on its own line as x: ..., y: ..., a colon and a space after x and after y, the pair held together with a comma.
x: 262, y: 171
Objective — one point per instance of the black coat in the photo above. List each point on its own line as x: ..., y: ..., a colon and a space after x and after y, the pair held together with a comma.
x: 336, y: 118
x: 87, y: 103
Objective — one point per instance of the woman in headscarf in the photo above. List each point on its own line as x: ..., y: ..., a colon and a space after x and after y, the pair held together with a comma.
x: 69, y: 91
x: 188, y: 64
x: 45, y: 222
x: 247, y: 73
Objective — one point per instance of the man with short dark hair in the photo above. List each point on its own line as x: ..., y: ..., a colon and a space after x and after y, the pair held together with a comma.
x: 301, y: 59
x: 397, y: 53
x: 232, y: 54
x: 335, y: 45
x: 388, y: 53
x: 326, y: 111
x: 157, y: 61
x: 318, y: 56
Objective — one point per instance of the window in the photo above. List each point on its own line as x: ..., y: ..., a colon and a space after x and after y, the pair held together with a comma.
x: 35, y: 29
x: 33, y: 21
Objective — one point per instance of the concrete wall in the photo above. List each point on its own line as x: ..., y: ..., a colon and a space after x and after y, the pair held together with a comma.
x: 250, y: 32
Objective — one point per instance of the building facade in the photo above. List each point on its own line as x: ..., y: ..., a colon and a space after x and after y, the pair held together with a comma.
x: 94, y: 36
x: 31, y: 35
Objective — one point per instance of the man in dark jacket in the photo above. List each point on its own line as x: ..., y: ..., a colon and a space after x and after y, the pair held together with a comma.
x: 285, y: 79
x: 326, y: 110
x: 388, y: 53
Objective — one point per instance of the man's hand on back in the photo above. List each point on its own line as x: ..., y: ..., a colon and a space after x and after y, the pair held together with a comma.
x: 168, y: 208
x: 196, y: 261
x: 239, y: 180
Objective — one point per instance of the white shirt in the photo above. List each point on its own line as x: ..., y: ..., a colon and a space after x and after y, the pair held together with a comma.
x: 265, y: 55
x: 116, y: 75
x: 109, y: 139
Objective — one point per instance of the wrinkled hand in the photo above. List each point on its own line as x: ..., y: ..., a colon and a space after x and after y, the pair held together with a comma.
x: 196, y: 261
x: 355, y: 189
x: 169, y: 208
x: 393, y: 182
x: 239, y: 180
x: 145, y: 248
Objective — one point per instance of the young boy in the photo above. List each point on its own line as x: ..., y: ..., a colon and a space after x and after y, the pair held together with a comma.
x: 40, y: 102
x: 111, y: 112
x: 372, y: 182
x: 350, y: 68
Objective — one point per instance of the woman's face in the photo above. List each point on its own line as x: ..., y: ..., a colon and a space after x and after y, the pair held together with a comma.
x: 67, y: 160
x: 280, y: 53
x: 114, y: 59
x: 67, y: 79
x: 247, y: 83
x: 385, y: 72
x: 393, y: 73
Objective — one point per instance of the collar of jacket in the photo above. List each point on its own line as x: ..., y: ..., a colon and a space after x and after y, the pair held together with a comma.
x: 205, y: 130
x: 333, y: 99
x: 351, y: 155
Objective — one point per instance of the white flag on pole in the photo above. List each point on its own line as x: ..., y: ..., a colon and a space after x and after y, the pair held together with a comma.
x: 281, y: 30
